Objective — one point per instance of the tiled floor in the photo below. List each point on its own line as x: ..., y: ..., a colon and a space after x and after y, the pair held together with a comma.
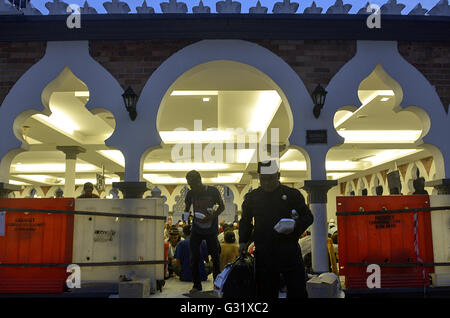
x: 174, y: 288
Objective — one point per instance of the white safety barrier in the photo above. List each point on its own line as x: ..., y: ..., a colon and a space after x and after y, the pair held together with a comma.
x: 99, y: 239
x: 440, y: 224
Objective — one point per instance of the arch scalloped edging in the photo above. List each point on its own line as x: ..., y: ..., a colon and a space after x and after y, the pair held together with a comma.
x: 417, y: 90
x: 105, y: 91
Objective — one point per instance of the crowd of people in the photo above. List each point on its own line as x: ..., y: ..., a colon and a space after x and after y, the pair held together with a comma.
x: 177, y: 244
x: 273, y: 222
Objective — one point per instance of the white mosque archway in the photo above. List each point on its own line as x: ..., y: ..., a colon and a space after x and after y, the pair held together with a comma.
x: 412, y: 93
x: 64, y: 120
x: 197, y: 58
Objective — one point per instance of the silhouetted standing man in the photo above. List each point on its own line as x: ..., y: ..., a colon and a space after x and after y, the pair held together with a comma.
x: 276, y: 242
x: 204, y: 199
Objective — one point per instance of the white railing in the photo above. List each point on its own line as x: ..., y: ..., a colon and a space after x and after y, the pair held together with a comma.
x: 59, y: 7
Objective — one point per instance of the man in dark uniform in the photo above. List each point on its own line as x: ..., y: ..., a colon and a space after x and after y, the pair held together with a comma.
x: 276, y: 242
x: 204, y: 199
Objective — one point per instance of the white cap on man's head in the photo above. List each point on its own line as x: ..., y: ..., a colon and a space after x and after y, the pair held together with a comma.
x: 268, y: 167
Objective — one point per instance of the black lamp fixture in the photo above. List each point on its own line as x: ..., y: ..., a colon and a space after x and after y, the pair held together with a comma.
x: 130, y: 100
x: 318, y: 95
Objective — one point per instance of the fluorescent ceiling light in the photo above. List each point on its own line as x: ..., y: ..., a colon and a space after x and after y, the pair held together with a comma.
x: 266, y: 107
x: 94, y: 181
x: 344, y: 118
x: 389, y: 155
x: 226, y: 178
x: 114, y: 155
x: 375, y: 94
x: 18, y: 182
x: 380, y: 136
x: 41, y: 178
x: 341, y: 165
x: 30, y: 140
x: 184, y: 166
x: 55, y: 167
x: 364, y: 102
x: 59, y: 120
x: 163, y: 179
x: 244, y: 155
x: 194, y: 93
x: 166, y: 179
x: 206, y: 99
x: 171, y: 137
x: 338, y: 175
x: 294, y: 165
x: 82, y: 94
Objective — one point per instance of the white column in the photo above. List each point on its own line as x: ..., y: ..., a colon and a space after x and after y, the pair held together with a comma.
x: 69, y: 186
x: 319, y: 238
x: 317, y: 194
x: 71, y: 160
x: 131, y: 185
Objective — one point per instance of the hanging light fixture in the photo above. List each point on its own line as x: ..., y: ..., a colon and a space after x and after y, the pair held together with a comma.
x: 318, y: 96
x: 130, y: 100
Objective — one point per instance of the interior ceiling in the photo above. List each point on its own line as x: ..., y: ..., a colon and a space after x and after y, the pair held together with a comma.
x: 379, y: 115
x: 235, y: 98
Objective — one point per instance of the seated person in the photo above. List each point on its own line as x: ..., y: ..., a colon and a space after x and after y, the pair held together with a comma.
x: 88, y: 189
x: 228, y: 227
x: 229, y: 249
x: 174, y: 239
x: 334, y: 238
x: 183, y: 261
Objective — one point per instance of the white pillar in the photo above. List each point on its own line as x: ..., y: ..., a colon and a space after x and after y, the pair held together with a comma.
x: 131, y: 185
x: 71, y: 160
x: 317, y: 194
x: 319, y: 238
x: 69, y: 186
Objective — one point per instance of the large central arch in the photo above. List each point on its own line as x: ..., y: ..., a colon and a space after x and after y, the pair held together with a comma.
x: 291, y: 89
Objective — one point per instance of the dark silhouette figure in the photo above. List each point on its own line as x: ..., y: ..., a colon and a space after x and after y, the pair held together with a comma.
x: 379, y: 190
x: 419, y: 185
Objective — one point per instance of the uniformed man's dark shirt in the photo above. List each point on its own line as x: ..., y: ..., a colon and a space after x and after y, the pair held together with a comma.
x: 267, y: 209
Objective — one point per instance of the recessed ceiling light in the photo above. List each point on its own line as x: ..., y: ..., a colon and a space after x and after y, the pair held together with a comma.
x: 206, y: 99
x: 194, y: 93
x: 384, y: 99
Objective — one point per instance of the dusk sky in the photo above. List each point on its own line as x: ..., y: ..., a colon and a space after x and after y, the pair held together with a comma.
x: 325, y: 4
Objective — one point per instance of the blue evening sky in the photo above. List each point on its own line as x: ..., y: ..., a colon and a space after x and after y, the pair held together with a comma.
x: 246, y: 4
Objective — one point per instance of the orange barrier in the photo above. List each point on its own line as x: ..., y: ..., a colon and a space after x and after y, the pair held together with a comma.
x: 398, y: 242
x: 35, y: 238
